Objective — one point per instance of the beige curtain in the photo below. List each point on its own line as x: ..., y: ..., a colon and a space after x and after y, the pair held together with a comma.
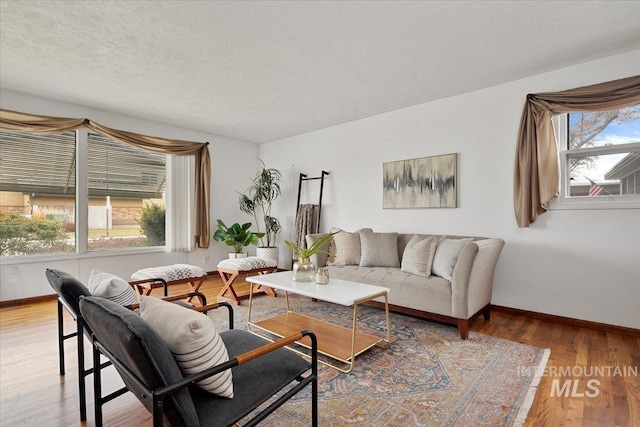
x: 536, y: 167
x: 29, y: 123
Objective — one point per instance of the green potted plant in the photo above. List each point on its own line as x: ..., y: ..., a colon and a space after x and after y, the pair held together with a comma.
x: 304, y: 269
x: 257, y: 201
x: 237, y: 236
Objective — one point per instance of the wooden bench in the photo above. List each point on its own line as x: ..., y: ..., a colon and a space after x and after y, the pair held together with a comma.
x: 171, y: 274
x: 231, y: 269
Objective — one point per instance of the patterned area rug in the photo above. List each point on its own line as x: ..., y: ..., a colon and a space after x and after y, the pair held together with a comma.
x: 429, y: 376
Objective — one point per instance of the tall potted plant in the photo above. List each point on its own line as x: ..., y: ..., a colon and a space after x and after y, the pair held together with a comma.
x: 237, y: 236
x: 257, y: 201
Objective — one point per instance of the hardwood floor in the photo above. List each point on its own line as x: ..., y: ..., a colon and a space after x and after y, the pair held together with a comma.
x: 32, y: 393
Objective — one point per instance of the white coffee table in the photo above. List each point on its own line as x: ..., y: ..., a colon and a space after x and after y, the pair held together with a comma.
x: 334, y: 341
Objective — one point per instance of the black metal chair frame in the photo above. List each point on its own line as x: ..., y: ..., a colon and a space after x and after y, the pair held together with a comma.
x: 82, y: 329
x: 160, y: 394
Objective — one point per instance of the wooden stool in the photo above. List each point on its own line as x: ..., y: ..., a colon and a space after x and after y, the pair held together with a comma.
x: 172, y: 274
x: 230, y: 270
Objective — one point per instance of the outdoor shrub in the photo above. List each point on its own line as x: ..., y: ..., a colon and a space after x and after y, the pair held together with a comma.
x: 20, y: 235
x: 152, y: 224
x: 115, y: 243
x: 69, y: 227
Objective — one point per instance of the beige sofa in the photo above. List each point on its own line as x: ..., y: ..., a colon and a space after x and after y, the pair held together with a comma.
x: 456, y: 292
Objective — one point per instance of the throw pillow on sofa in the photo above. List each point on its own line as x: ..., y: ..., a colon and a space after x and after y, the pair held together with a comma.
x: 192, y: 339
x: 323, y: 255
x: 446, y: 256
x: 379, y: 249
x: 345, y: 249
x: 111, y: 287
x: 418, y: 255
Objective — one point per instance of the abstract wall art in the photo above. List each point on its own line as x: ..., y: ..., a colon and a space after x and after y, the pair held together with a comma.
x: 426, y: 182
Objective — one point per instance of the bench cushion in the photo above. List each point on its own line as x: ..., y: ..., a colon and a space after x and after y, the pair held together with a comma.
x: 169, y: 273
x: 248, y: 263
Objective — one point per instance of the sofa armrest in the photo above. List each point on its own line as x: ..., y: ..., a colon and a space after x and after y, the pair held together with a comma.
x: 472, y: 281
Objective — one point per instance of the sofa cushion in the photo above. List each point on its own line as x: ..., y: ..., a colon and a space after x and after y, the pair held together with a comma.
x: 111, y: 287
x: 447, y: 254
x: 345, y: 249
x: 418, y: 256
x: 193, y: 340
x: 379, y: 249
x: 431, y: 294
x: 323, y: 255
x: 403, y: 240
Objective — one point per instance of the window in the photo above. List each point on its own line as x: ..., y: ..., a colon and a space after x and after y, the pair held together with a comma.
x: 122, y: 194
x: 37, y: 193
x: 599, y: 159
x: 121, y: 190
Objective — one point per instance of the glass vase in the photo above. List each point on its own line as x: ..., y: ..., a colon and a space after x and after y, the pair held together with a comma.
x: 304, y: 270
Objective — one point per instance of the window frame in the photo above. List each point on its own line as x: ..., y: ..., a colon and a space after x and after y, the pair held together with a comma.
x: 563, y: 201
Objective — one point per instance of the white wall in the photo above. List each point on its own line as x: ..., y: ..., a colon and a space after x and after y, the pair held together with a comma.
x: 27, y: 279
x: 578, y: 264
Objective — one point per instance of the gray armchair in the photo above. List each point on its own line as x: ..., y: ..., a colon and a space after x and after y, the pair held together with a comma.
x: 261, y: 369
x: 69, y: 290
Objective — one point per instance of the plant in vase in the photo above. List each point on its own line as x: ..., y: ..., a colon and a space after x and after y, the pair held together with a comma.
x: 257, y: 201
x: 303, y: 269
x: 237, y: 236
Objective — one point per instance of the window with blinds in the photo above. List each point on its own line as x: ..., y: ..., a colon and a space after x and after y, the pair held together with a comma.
x: 125, y: 187
x: 37, y: 193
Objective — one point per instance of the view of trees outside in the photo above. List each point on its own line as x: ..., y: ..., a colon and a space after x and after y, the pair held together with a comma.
x: 601, y: 129
x: 128, y: 185
x: 126, y: 205
x: 147, y: 228
x: 30, y: 235
x: 21, y: 235
x: 596, y: 129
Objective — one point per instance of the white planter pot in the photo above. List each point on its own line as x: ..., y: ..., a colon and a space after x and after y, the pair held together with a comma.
x: 233, y: 255
x: 268, y: 253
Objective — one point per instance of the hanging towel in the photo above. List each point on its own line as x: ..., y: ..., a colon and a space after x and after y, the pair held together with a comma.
x: 305, y: 224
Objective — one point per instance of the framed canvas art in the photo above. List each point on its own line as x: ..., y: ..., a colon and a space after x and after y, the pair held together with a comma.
x: 426, y: 182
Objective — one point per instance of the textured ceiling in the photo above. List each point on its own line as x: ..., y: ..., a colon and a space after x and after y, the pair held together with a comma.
x: 260, y: 71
